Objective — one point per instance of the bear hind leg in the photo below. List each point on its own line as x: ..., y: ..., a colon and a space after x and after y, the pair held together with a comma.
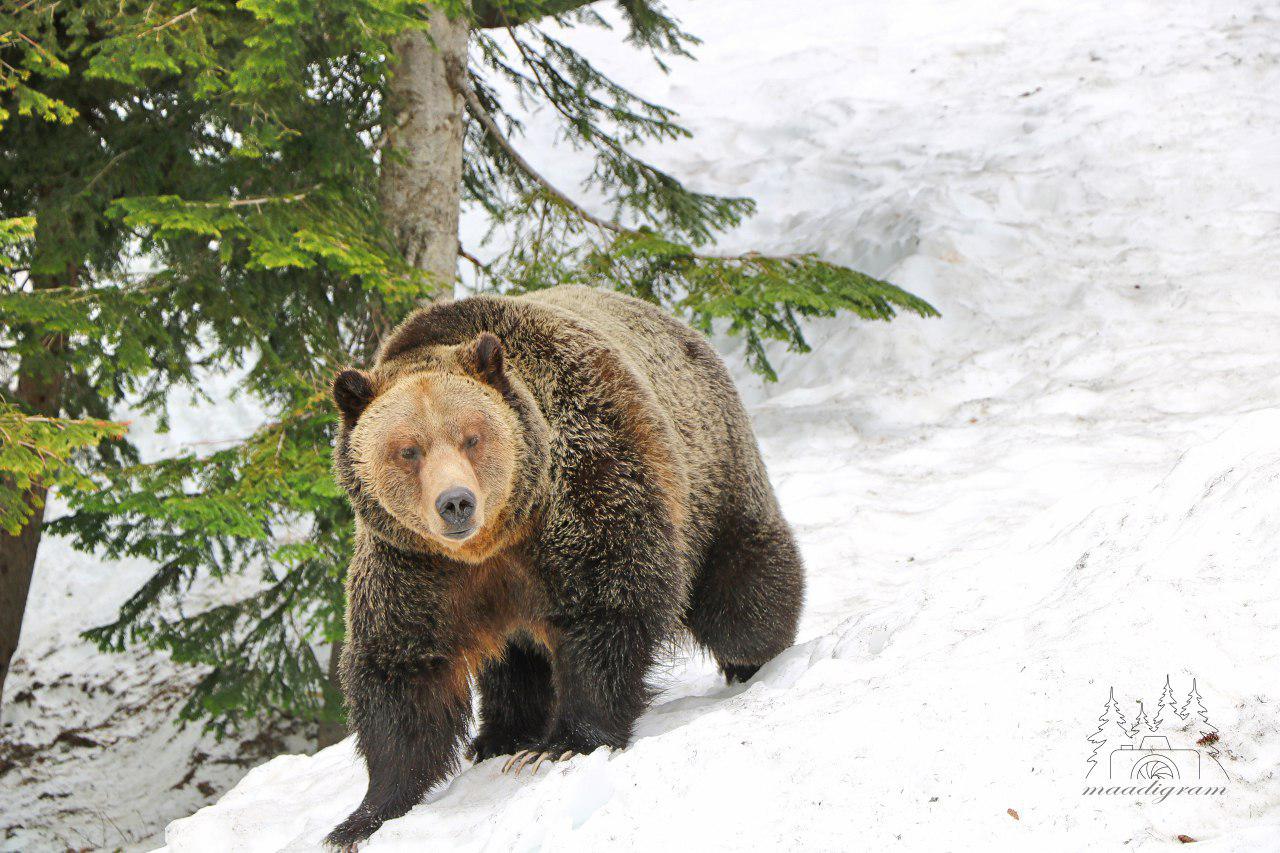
x: 746, y: 602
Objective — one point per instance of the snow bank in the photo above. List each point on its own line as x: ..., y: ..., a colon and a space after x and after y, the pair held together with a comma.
x: 922, y: 718
x: 956, y: 688
x: 1065, y: 485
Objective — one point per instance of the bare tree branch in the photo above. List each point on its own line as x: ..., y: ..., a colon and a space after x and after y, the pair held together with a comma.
x: 170, y: 22
x: 480, y: 265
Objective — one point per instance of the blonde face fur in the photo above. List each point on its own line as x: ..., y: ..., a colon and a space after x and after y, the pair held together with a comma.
x: 432, y: 435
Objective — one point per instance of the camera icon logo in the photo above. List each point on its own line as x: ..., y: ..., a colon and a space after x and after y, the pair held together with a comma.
x: 1155, y: 759
x: 1175, y: 743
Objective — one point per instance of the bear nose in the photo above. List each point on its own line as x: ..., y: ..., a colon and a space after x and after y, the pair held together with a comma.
x: 456, y: 506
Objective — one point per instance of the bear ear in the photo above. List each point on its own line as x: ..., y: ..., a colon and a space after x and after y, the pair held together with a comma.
x: 353, y: 392
x: 483, y: 359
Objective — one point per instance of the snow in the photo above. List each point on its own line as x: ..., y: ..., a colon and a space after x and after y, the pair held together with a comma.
x: 100, y: 761
x: 1064, y: 485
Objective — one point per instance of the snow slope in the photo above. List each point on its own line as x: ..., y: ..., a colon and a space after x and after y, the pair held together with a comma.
x: 1066, y: 484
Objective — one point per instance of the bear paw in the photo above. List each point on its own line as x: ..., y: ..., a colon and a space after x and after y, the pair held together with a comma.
x: 347, y: 836
x: 738, y: 672
x: 488, y: 745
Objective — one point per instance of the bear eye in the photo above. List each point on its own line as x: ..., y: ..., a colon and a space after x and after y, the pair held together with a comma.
x: 409, y: 453
x: 472, y: 441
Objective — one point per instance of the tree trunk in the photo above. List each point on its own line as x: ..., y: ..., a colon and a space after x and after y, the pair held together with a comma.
x: 17, y: 560
x: 39, y: 392
x: 421, y: 189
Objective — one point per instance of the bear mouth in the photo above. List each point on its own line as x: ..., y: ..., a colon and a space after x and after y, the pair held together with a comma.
x: 459, y: 535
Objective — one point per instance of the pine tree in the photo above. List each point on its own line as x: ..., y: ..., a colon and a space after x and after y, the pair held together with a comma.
x: 1206, y: 732
x: 1112, y: 728
x: 271, y: 185
x: 180, y: 223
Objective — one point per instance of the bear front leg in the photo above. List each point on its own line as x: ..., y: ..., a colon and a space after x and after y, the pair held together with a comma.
x: 599, y: 669
x: 617, y: 580
x: 516, y: 695
x: 409, y: 724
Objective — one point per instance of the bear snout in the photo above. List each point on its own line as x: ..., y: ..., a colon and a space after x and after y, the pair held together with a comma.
x: 456, y: 506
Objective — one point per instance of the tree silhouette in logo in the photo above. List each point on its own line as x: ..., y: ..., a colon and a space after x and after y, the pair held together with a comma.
x: 1206, y: 732
x: 1167, y: 709
x: 1113, y: 728
x: 1141, y: 725
x: 1173, y: 745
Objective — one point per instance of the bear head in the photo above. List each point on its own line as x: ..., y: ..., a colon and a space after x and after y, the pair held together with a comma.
x: 431, y: 453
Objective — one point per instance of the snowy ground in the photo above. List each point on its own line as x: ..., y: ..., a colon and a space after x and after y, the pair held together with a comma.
x: 90, y: 757
x: 1065, y: 485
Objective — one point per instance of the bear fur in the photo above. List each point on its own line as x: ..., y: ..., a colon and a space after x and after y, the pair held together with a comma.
x: 621, y: 503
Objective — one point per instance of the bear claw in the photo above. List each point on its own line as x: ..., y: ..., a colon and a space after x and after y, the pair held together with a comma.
x: 522, y: 758
x: 522, y: 754
x: 568, y: 753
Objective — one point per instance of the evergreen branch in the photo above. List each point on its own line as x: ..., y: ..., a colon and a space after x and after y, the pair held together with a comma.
x: 167, y: 579
x: 494, y: 14
x: 762, y: 297
x: 477, y: 109
x: 602, y: 115
x: 34, y: 44
x: 36, y: 452
x: 23, y: 8
x: 462, y: 83
x: 651, y: 122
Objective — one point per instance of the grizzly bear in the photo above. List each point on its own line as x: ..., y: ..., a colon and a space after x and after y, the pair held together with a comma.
x: 548, y: 490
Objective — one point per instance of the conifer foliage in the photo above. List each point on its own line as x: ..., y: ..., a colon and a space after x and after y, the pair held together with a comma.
x: 37, y: 451
x: 190, y: 187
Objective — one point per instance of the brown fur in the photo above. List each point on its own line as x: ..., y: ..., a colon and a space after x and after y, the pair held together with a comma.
x: 621, y: 500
